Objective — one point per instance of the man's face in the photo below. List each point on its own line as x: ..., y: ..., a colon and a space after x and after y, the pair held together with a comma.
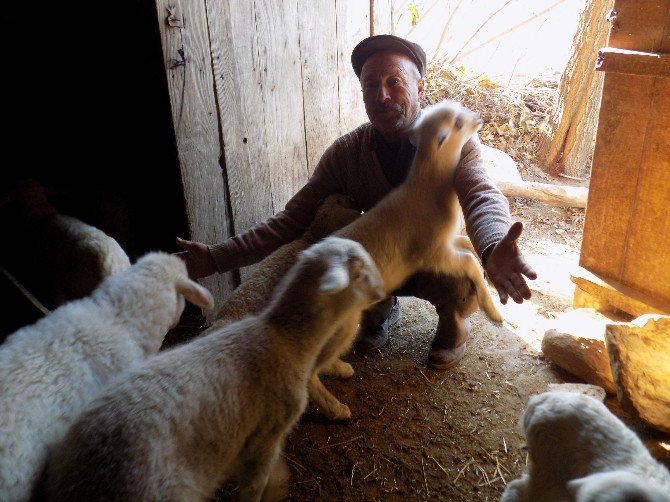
x: 392, y: 88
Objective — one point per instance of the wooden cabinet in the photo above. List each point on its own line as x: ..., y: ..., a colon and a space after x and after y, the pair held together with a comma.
x: 626, y: 242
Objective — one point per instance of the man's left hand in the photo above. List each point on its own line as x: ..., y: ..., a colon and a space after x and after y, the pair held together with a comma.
x: 506, y: 267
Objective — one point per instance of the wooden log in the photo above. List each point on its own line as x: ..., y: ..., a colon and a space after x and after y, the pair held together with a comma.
x: 547, y: 193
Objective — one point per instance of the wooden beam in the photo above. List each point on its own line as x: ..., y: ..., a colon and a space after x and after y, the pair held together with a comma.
x: 630, y: 62
x: 615, y: 294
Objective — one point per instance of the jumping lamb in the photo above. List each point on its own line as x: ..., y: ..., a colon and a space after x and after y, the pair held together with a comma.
x: 421, y: 235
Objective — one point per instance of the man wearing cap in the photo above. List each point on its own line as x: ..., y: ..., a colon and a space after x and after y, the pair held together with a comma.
x: 366, y: 164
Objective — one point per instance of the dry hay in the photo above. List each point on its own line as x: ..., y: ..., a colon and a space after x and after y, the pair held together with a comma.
x: 514, y: 116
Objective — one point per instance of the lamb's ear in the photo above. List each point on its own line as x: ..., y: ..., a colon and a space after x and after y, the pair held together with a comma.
x: 442, y: 134
x: 195, y: 293
x: 335, y: 279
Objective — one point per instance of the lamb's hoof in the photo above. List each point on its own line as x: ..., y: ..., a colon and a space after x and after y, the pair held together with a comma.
x: 341, y: 412
x: 338, y: 369
x: 496, y: 316
x: 344, y: 370
x: 491, y: 310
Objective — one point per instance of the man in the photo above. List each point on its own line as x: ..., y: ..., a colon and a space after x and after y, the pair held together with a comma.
x: 366, y: 164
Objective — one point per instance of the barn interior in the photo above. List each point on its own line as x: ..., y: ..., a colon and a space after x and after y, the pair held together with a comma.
x: 150, y: 120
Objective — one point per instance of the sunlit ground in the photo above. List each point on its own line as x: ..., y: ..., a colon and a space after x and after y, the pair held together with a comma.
x: 552, y: 294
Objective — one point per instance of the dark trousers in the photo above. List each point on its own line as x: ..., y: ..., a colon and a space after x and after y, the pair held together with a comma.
x: 453, y: 298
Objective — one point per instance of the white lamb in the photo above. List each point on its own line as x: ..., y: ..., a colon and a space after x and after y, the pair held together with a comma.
x: 51, y: 369
x: 413, y: 229
x: 579, y: 451
x: 73, y: 256
x: 217, y: 408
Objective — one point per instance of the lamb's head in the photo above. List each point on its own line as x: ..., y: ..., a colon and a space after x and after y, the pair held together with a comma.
x: 444, y: 127
x: 615, y: 486
x: 153, y: 291
x: 346, y: 275
x: 335, y: 212
x: 32, y: 198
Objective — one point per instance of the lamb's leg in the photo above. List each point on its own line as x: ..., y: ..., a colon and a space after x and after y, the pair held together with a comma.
x: 329, y: 405
x: 515, y: 491
x: 337, y: 368
x: 464, y: 242
x: 463, y: 262
x: 338, y: 344
x: 277, y: 487
x: 257, y: 462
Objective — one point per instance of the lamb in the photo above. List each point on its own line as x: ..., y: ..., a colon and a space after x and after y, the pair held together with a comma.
x: 578, y: 450
x: 253, y: 294
x: 420, y: 236
x: 51, y: 369
x: 217, y: 408
x: 73, y: 256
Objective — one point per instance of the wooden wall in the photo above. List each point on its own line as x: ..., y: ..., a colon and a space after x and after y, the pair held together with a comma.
x: 627, y: 224
x: 258, y: 90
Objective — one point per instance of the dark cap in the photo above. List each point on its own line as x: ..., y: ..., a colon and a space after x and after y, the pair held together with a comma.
x: 368, y: 46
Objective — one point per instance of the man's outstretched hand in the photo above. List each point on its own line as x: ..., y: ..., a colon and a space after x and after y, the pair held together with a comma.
x: 506, y: 267
x: 199, y: 261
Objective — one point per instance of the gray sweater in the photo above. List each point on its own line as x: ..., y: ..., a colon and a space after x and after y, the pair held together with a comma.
x: 352, y: 166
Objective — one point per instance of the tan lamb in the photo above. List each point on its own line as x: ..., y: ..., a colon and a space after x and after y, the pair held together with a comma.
x: 250, y: 297
x: 414, y: 228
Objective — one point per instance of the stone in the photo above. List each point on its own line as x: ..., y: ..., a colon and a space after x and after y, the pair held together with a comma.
x: 500, y: 166
x: 640, y: 359
x: 577, y: 344
x: 587, y: 389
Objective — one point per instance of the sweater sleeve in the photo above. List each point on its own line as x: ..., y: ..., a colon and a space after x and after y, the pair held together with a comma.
x: 486, y: 209
x: 253, y: 245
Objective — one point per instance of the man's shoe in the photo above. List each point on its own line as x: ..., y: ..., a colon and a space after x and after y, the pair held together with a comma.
x: 371, y: 340
x: 443, y: 359
x: 443, y: 354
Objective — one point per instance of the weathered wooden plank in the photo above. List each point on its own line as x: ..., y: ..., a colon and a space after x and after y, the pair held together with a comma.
x: 238, y: 80
x: 630, y: 62
x: 647, y: 252
x: 278, y: 51
x: 259, y: 90
x: 186, y: 50
x: 260, y: 97
x: 226, y: 57
x: 603, y: 294
x: 353, y: 25
x: 616, y: 162
x: 382, y: 17
x: 318, y: 53
x: 640, y: 25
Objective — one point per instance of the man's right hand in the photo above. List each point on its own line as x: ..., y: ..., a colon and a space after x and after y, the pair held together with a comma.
x: 198, y: 259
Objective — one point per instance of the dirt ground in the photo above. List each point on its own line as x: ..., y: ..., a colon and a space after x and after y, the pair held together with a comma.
x: 421, y: 434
